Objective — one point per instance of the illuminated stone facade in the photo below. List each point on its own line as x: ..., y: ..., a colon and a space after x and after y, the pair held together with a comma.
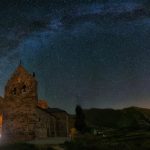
x: 23, y: 116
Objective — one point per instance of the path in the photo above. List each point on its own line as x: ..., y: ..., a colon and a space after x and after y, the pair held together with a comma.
x: 57, y: 147
x: 49, y: 141
x: 53, y: 142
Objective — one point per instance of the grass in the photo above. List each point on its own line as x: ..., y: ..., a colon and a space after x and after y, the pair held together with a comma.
x: 129, y: 141
x: 23, y: 146
x: 18, y: 146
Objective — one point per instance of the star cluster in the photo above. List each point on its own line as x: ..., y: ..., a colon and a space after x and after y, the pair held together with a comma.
x: 92, y: 53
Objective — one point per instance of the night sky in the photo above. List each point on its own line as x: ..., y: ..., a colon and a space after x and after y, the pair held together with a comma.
x: 92, y: 53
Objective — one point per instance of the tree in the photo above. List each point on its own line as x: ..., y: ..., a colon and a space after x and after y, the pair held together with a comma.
x: 80, y: 124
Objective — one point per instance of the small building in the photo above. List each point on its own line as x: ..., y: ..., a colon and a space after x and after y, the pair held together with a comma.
x: 23, y: 116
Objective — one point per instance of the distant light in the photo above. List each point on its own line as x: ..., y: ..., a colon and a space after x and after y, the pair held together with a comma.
x: 0, y: 135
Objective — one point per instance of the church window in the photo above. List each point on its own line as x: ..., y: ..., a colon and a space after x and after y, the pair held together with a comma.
x: 33, y: 74
x: 14, y: 91
x: 24, y: 89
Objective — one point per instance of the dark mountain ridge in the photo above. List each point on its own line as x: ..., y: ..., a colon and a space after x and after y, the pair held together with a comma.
x: 132, y: 117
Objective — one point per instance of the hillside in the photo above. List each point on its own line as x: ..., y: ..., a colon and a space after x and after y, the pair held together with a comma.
x: 132, y: 117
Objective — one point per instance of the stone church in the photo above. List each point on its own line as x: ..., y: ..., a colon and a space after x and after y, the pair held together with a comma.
x: 23, y: 116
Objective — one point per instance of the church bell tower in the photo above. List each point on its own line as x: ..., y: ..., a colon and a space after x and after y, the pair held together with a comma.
x: 20, y: 102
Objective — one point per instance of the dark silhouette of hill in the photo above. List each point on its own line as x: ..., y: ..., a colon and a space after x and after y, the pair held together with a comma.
x: 131, y: 118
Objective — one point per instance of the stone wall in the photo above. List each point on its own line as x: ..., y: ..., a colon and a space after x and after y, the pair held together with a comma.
x: 62, y: 124
x: 45, y: 125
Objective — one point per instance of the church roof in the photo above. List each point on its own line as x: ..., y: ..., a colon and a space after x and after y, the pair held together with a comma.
x: 21, y: 69
x: 20, y: 74
x: 46, y: 111
x: 54, y: 110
